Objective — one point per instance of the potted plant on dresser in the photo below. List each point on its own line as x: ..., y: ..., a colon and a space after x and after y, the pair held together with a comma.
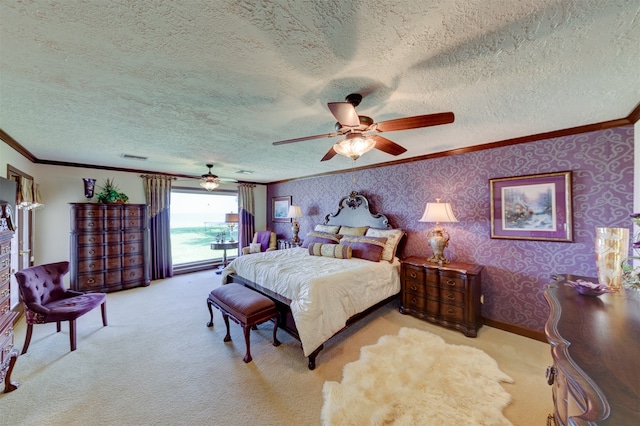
x: 110, y: 193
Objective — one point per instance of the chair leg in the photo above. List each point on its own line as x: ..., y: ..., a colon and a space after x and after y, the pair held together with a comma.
x: 72, y: 334
x: 58, y: 327
x: 103, y: 308
x: 27, y: 339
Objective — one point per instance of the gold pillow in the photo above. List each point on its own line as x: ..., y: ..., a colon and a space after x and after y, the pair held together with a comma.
x: 350, y: 230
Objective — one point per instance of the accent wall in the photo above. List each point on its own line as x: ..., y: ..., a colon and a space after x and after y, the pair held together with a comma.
x: 516, y: 271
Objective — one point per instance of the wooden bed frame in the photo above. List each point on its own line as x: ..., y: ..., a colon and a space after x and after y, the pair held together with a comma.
x: 353, y: 210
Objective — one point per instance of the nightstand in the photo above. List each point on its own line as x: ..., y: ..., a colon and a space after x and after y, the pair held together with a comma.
x: 448, y: 295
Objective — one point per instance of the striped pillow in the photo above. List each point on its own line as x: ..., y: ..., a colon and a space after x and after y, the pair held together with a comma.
x: 338, y: 251
x: 320, y: 237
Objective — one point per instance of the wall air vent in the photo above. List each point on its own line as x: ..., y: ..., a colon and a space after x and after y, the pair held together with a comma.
x: 245, y: 172
x: 134, y: 157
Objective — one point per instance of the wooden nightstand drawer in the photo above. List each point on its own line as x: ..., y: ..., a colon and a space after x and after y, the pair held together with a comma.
x: 415, y: 287
x: 413, y: 273
x: 452, y: 281
x: 452, y: 312
x: 87, y: 239
x: 451, y: 296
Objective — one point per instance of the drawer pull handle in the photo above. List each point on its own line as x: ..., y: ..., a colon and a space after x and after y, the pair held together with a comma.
x: 413, y: 275
x: 414, y: 300
x: 451, y: 282
x: 414, y: 287
x: 450, y: 311
x: 91, y: 281
x: 551, y: 375
x: 451, y: 296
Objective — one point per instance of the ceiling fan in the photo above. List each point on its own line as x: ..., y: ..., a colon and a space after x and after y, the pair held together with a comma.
x: 209, y: 181
x: 360, y: 131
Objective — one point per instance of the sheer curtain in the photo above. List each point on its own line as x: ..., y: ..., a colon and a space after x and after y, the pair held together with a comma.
x: 157, y: 189
x: 247, y: 212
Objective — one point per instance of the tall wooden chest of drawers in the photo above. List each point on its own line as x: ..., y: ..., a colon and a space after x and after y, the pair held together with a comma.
x: 448, y: 295
x: 8, y: 355
x: 109, y: 247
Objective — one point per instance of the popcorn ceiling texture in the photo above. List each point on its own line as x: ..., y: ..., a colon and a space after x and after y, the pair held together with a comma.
x: 190, y: 82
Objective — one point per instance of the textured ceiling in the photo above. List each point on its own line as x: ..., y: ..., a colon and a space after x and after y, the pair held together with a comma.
x: 189, y: 82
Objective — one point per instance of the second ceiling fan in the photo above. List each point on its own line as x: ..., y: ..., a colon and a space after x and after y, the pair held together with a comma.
x: 361, y: 132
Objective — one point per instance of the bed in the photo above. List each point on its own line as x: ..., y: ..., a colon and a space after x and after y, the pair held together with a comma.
x: 319, y: 296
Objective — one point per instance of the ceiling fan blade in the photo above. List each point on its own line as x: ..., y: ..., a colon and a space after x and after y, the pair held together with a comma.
x: 306, y: 138
x: 230, y: 180
x: 329, y: 155
x: 415, y: 122
x: 385, y: 145
x: 345, y: 113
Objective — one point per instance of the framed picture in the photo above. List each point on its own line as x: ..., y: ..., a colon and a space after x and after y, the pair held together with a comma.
x: 533, y: 207
x: 280, y: 208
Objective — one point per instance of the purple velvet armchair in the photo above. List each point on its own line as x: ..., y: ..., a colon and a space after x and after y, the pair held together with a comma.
x: 46, y: 299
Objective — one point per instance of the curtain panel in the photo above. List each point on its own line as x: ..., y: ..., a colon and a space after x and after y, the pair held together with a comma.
x: 157, y: 189
x: 246, y: 214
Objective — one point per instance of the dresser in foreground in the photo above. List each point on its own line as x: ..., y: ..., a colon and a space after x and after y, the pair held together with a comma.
x: 109, y: 247
x: 595, y: 346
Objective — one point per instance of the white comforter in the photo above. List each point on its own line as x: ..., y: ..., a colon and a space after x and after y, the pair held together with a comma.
x: 324, y: 291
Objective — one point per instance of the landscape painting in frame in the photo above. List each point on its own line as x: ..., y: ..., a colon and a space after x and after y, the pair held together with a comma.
x: 533, y: 207
x: 280, y: 208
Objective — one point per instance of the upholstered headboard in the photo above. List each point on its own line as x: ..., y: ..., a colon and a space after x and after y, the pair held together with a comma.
x: 353, y: 210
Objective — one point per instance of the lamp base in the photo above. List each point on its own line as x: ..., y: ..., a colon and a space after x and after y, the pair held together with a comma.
x: 439, y: 259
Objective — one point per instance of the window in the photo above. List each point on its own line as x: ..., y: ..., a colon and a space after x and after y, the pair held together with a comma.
x: 197, y: 219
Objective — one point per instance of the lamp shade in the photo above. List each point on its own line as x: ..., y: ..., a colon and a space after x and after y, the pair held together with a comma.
x: 231, y: 218
x: 438, y: 212
x: 294, y: 211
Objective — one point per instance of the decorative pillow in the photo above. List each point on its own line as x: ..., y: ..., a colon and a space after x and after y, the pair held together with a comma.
x: 320, y: 237
x: 393, y: 237
x: 329, y: 229
x: 330, y: 250
x: 368, y: 248
x: 349, y: 230
x: 254, y: 247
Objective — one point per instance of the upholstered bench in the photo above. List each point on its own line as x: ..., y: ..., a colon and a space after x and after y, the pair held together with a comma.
x: 246, y: 307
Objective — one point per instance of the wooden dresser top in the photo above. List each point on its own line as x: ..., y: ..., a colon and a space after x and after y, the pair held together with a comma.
x: 596, y: 341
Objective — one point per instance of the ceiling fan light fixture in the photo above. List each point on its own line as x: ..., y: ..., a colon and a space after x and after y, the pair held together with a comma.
x: 210, y: 183
x: 354, y: 146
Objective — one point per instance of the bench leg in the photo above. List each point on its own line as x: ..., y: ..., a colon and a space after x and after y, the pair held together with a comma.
x: 247, y: 331
x: 210, y: 323
x: 276, y: 342
x: 225, y: 317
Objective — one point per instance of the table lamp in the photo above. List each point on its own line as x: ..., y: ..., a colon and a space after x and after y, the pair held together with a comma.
x: 438, y: 212
x: 231, y: 219
x: 294, y: 213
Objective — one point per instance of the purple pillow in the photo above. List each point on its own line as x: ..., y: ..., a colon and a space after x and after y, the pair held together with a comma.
x: 320, y: 237
x: 368, y: 248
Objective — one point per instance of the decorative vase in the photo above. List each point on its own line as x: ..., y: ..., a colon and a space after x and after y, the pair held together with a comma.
x: 611, y: 247
x: 89, y: 185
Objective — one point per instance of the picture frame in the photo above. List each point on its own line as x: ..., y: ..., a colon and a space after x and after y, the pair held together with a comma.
x: 280, y: 208
x: 532, y: 207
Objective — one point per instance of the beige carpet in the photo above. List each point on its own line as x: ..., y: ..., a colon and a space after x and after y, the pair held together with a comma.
x: 158, y: 364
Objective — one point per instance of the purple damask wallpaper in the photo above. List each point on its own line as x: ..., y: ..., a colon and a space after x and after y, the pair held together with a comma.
x: 516, y: 271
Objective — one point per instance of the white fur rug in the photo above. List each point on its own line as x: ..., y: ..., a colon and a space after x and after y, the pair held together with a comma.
x: 416, y: 378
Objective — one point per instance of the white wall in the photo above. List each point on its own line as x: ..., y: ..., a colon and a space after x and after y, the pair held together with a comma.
x: 61, y: 185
